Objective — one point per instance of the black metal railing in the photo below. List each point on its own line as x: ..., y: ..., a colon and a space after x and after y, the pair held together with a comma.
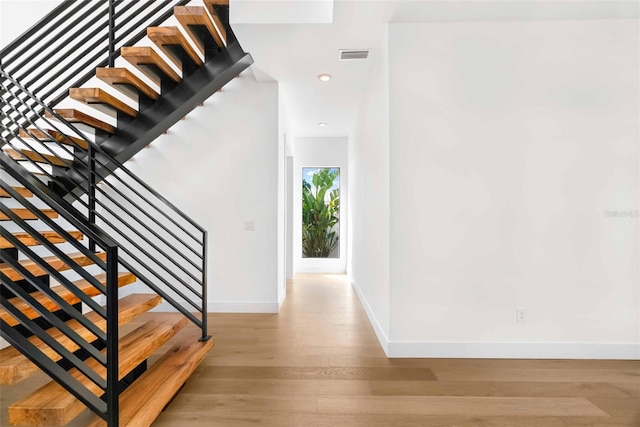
x: 66, y: 46
x: 127, y: 224
x: 136, y: 227
x: 19, y: 281
x: 159, y: 243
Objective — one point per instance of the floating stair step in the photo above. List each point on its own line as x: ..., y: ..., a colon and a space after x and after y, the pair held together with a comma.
x: 25, y: 154
x: 52, y: 405
x: 99, y: 98
x: 54, y: 262
x: 53, y: 135
x: 171, y: 41
x: 22, y: 191
x: 123, y: 80
x: 26, y: 214
x: 195, y: 19
x: 74, y: 116
x: 143, y: 401
x: 211, y: 5
x: 84, y: 286
x: 15, y: 367
x: 149, y: 63
x: 28, y: 240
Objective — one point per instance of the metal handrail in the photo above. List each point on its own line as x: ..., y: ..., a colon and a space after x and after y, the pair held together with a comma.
x: 100, y: 44
x: 180, y: 248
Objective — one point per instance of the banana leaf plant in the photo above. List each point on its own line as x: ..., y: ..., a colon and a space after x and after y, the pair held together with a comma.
x: 320, y: 214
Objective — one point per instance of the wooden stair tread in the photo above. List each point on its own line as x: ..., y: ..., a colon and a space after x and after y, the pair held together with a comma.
x: 168, y: 36
x: 28, y: 240
x: 211, y: 6
x: 99, y: 96
x: 53, y: 261
x: 53, y: 405
x: 189, y: 16
x: 74, y: 116
x: 26, y: 214
x: 15, y: 367
x: 53, y: 135
x: 143, y: 401
x: 119, y: 77
x: 24, y: 154
x: 139, y: 57
x: 22, y: 191
x: 85, y: 287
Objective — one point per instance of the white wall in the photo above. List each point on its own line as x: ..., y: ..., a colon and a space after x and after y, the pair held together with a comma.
x: 221, y: 167
x: 369, y: 213
x: 510, y: 142
x: 320, y: 152
x: 28, y: 11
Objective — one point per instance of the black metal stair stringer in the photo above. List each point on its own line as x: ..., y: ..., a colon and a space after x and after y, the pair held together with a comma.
x: 170, y: 108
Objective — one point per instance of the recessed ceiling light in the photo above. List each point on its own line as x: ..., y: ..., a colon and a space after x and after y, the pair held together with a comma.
x: 322, y: 124
x: 324, y: 77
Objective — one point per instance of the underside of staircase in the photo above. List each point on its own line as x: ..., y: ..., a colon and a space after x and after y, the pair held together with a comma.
x: 77, y: 228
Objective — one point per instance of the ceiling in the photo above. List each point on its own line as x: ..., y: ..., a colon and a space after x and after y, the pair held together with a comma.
x: 290, y: 48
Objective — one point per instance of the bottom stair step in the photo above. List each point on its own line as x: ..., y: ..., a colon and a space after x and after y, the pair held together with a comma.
x: 145, y: 399
x: 52, y: 405
x: 15, y: 367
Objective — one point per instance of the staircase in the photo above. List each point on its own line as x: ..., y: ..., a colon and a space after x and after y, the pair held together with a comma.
x: 81, y: 92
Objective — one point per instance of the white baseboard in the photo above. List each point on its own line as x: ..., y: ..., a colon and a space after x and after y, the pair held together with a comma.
x: 514, y: 350
x: 382, y: 337
x: 229, y: 307
x: 497, y: 350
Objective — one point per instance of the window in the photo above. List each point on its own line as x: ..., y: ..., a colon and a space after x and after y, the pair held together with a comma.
x: 321, y: 212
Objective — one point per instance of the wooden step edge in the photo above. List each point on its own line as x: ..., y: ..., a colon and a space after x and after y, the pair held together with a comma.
x: 140, y: 56
x: 167, y: 36
x: 53, y: 135
x: 26, y: 214
x: 120, y: 77
x: 91, y: 96
x: 28, y: 240
x: 26, y: 154
x: 145, y: 399
x: 124, y: 279
x: 14, y: 367
x: 52, y: 405
x: 54, y: 262
x: 22, y: 191
x: 211, y: 7
x: 211, y: 3
x: 189, y: 16
x: 74, y: 116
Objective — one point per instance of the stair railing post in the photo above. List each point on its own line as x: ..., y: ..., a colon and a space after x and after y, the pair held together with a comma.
x: 112, y: 33
x: 112, y: 394
x: 92, y: 192
x: 205, y: 336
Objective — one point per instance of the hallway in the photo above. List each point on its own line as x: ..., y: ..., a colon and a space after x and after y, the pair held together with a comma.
x: 318, y: 363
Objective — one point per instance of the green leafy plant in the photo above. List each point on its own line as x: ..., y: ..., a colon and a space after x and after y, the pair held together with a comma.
x: 320, y: 214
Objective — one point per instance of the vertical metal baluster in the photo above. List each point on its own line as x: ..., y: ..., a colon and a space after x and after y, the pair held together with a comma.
x: 113, y: 412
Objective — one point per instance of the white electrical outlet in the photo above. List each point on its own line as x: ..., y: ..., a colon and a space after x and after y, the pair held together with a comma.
x: 249, y: 225
x: 521, y: 314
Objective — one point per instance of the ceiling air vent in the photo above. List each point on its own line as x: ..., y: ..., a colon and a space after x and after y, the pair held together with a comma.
x: 351, y: 54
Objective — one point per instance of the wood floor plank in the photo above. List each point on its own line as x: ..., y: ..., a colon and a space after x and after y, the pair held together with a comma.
x: 470, y: 406
x: 538, y: 374
x: 322, y: 373
x: 495, y: 388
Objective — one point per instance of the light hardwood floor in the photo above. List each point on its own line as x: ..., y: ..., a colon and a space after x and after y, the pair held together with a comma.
x: 318, y: 363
